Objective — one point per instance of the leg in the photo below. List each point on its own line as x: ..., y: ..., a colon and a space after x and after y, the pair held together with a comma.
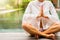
x: 32, y: 30
x: 53, y: 29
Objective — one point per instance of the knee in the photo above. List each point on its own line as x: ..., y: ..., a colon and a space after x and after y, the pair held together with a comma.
x: 24, y: 25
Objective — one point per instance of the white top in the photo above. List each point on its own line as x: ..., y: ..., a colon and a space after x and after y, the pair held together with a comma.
x: 33, y: 10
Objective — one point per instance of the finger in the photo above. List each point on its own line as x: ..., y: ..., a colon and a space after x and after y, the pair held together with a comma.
x: 46, y: 17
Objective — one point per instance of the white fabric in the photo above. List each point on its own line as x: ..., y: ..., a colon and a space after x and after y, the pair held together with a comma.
x: 33, y: 10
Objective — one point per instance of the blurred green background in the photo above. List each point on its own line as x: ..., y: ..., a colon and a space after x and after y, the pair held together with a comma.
x: 11, y: 13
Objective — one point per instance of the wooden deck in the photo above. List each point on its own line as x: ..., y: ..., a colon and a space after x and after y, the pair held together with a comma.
x: 18, y: 36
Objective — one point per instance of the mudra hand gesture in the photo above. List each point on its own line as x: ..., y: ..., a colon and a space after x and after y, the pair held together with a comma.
x: 41, y: 15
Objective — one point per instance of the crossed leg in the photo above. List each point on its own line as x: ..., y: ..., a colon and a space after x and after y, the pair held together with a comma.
x: 48, y: 33
x: 53, y: 29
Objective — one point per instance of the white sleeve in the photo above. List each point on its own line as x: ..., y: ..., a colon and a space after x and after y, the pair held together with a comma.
x: 53, y: 13
x: 27, y: 13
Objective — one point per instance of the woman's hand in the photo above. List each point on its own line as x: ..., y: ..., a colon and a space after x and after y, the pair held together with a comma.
x: 42, y: 17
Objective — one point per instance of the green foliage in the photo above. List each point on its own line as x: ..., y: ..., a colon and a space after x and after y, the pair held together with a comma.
x: 24, y: 4
x: 11, y: 20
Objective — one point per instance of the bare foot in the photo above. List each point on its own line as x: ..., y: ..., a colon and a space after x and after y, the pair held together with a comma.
x: 52, y: 36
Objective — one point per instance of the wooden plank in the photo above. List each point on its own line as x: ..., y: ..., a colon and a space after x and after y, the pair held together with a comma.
x: 18, y: 36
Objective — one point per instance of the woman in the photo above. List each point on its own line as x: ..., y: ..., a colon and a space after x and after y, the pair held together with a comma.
x: 31, y: 19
